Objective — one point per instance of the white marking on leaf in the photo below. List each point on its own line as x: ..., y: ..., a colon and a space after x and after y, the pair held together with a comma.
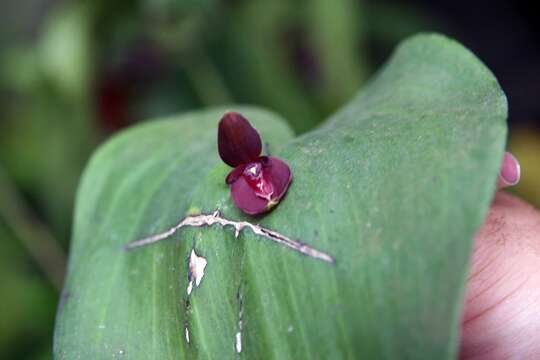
x: 290, y: 329
x: 238, y: 344
x: 186, y: 333
x: 238, y: 337
x: 197, y: 264
x: 202, y: 220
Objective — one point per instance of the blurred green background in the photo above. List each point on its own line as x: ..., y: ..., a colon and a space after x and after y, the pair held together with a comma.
x: 72, y: 73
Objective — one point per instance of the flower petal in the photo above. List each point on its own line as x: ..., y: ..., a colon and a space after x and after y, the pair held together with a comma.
x: 235, y: 174
x: 238, y: 141
x: 277, y: 172
x: 245, y: 199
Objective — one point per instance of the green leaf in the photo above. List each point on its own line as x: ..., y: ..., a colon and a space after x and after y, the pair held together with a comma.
x: 393, y: 186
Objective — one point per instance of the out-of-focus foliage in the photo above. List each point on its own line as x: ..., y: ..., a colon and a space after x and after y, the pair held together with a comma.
x: 28, y: 303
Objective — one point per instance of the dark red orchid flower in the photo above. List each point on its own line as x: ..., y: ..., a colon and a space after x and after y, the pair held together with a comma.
x: 257, y: 182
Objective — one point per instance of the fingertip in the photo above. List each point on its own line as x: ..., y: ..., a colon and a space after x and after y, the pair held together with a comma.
x: 510, y: 171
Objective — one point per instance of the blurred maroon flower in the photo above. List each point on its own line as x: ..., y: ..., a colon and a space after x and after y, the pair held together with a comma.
x: 257, y: 182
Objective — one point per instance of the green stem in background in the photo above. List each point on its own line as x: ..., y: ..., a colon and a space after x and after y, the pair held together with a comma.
x: 258, y: 55
x: 335, y: 29
x: 33, y: 234
x: 207, y: 81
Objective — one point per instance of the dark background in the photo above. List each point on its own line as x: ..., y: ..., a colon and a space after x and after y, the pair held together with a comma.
x: 72, y: 73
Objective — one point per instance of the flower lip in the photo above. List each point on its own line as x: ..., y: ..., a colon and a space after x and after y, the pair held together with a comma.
x: 253, y: 200
x: 238, y: 142
x: 257, y: 178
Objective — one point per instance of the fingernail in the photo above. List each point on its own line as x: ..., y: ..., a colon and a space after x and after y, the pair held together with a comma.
x: 510, y: 171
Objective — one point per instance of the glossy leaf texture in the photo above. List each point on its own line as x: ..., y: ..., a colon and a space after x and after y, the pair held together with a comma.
x: 393, y: 186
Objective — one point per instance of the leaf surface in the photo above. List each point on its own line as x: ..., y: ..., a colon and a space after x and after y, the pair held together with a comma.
x: 393, y: 186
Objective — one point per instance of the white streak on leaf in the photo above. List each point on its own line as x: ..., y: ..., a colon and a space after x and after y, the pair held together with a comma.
x: 215, y: 218
x: 290, y: 328
x: 197, y: 264
x: 186, y: 332
x: 238, y: 342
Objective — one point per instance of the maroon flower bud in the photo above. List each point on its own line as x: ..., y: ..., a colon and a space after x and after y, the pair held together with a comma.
x: 257, y: 182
